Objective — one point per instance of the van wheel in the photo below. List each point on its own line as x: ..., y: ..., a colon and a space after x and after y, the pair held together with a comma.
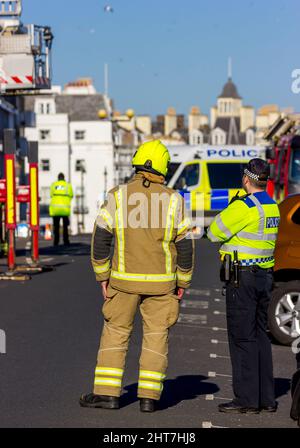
x: 284, y: 312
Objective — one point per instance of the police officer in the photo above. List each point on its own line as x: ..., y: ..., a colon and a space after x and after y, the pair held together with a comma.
x: 151, y: 267
x: 247, y: 229
x: 61, y: 194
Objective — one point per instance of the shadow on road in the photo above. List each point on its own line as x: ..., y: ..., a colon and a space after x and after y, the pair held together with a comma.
x: 182, y: 388
x: 74, y: 250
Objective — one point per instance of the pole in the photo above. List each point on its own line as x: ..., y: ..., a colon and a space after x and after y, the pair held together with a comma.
x: 106, y: 80
x: 105, y: 182
x: 34, y: 200
x: 9, y: 146
x: 82, y: 198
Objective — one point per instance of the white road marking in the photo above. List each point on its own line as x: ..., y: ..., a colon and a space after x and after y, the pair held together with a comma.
x: 216, y: 341
x: 211, y: 397
x: 219, y: 313
x: 198, y: 292
x: 192, y: 319
x: 214, y: 355
x: 219, y: 329
x: 197, y: 304
x: 210, y: 425
x: 215, y: 374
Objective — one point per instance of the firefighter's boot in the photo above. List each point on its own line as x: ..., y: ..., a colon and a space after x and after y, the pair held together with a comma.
x: 99, y: 401
x: 147, y: 405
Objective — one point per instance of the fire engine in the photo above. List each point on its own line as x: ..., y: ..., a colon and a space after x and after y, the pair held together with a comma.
x: 284, y: 158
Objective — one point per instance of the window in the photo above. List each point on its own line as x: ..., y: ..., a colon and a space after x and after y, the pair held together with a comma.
x: 45, y: 134
x: 171, y: 171
x: 218, y: 137
x: 295, y: 165
x: 225, y: 175
x: 250, y: 137
x: 296, y: 217
x: 80, y: 165
x: 45, y: 165
x: 79, y: 135
x: 196, y: 138
x: 189, y: 177
x: 44, y: 107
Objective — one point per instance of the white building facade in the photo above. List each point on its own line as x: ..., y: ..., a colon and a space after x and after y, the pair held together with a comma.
x: 74, y: 141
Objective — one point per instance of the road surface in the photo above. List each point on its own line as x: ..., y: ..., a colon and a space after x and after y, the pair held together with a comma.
x: 53, y: 324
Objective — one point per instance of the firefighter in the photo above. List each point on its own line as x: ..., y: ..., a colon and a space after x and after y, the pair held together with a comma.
x: 61, y: 194
x: 247, y: 229
x: 151, y: 267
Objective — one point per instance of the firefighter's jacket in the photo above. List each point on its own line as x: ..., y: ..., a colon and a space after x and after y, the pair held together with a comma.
x: 153, y: 248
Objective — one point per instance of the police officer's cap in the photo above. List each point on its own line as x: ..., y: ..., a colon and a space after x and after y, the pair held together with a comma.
x: 258, y: 170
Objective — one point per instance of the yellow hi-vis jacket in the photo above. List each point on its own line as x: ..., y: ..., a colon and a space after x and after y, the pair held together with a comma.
x: 61, y: 194
x: 248, y: 225
x: 153, y: 251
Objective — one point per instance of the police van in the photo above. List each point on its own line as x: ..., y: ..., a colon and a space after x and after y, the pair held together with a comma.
x: 209, y: 176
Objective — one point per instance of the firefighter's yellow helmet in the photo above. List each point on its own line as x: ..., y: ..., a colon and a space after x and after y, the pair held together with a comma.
x: 153, y: 157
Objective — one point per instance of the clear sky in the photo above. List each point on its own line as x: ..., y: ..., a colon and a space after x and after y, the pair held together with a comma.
x: 165, y: 53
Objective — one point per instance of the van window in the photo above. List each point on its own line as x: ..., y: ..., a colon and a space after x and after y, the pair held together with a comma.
x: 189, y: 177
x: 225, y: 175
x: 173, y: 166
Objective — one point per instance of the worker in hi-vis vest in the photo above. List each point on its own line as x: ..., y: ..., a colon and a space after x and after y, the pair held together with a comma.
x: 61, y: 194
x: 152, y: 265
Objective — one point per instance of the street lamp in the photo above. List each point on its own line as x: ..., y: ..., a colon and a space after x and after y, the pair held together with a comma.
x: 104, y: 115
x: 105, y: 182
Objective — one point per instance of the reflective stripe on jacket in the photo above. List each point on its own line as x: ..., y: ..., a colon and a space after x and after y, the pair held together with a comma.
x: 250, y: 226
x: 153, y: 252
x: 61, y: 193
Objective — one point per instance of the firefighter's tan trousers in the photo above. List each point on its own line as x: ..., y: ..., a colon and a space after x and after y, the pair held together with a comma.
x: 159, y: 313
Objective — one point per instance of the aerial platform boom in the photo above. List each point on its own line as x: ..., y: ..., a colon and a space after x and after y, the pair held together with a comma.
x: 25, y: 52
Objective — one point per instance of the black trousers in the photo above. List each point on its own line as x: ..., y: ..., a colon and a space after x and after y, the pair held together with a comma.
x: 56, y: 225
x: 250, y: 347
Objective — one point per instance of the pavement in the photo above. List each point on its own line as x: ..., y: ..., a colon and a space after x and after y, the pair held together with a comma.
x: 53, y: 324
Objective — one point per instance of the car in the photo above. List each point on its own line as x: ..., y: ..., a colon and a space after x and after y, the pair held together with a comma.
x: 284, y: 309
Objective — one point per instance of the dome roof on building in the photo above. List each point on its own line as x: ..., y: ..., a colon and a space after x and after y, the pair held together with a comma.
x: 230, y: 91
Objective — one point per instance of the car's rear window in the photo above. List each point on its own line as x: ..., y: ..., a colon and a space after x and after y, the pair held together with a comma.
x: 226, y: 175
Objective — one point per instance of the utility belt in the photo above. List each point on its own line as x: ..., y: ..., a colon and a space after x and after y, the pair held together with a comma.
x: 231, y: 268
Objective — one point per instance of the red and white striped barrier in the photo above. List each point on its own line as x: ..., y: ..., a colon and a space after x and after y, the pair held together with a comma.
x: 17, y: 80
x: 23, y: 81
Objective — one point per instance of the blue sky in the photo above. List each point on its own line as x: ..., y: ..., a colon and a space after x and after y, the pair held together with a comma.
x: 165, y: 53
